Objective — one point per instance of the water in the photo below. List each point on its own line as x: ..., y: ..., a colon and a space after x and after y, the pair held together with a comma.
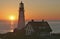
x: 55, y: 25
x: 8, y: 26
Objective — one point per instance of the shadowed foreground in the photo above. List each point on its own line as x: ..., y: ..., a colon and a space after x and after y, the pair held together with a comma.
x: 20, y: 35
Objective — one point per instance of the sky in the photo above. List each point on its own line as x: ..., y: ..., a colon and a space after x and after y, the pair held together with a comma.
x: 34, y: 9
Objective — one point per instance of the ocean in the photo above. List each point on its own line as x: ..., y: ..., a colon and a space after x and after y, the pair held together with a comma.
x: 8, y: 26
x: 55, y: 26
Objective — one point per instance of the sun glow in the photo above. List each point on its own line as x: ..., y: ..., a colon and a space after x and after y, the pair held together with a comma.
x: 12, y: 18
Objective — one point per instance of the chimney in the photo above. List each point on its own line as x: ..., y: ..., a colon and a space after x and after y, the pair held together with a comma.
x: 42, y: 20
x: 32, y: 20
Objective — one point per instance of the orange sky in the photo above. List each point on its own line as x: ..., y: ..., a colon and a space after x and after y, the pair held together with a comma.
x: 34, y: 9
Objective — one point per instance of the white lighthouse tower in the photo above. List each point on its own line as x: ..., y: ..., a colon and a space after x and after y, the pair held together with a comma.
x: 21, y: 18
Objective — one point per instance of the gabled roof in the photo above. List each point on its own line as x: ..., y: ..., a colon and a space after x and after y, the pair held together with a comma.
x: 40, y: 26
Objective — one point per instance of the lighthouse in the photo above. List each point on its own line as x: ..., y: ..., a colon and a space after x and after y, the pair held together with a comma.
x: 21, y: 17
